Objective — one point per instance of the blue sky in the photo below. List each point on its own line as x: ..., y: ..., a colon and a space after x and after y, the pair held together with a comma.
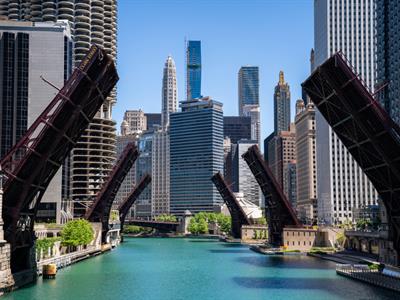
x: 272, y: 34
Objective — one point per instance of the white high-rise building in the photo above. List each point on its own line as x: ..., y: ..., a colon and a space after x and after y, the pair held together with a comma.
x: 347, y: 26
x: 92, y: 22
x: 169, y: 92
x: 160, y: 183
x: 253, y: 111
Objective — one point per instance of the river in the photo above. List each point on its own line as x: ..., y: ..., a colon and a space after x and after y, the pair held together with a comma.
x: 197, y: 269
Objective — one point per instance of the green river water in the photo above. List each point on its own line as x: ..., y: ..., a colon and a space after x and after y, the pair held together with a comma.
x: 194, y: 269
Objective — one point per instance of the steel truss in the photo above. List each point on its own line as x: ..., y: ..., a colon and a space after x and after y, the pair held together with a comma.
x: 238, y: 216
x: 100, y: 210
x: 364, y: 128
x: 279, y: 211
x: 31, y: 164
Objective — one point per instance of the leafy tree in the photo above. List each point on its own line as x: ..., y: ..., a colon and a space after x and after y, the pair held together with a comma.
x: 202, y: 226
x: 114, y: 216
x: 363, y: 223
x: 166, y: 218
x: 76, y: 233
x: 260, y: 221
x: 193, y: 226
x: 224, y: 223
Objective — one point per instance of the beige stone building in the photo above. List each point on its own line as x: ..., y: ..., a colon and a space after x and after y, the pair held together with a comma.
x: 256, y: 234
x: 306, y: 159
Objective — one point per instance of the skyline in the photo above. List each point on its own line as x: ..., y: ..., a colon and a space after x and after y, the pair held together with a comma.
x: 223, y: 51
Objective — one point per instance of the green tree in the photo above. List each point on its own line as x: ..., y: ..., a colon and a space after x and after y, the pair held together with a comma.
x: 114, y: 216
x: 202, y: 226
x: 45, y: 244
x: 76, y: 233
x: 224, y: 223
x: 193, y: 226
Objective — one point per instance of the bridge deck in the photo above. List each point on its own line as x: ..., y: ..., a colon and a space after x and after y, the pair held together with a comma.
x: 364, y: 128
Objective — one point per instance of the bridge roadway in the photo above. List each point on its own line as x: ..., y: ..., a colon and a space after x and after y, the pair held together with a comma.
x: 159, y: 225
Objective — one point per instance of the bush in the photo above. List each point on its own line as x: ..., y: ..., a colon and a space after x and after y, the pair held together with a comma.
x: 45, y: 244
x: 133, y: 229
x: 77, y: 233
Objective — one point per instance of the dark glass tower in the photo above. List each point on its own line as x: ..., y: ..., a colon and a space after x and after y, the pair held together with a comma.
x: 388, y: 55
x: 193, y: 69
x: 281, y: 105
x: 248, y: 84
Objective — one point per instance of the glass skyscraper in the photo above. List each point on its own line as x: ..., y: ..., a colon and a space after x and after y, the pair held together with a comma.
x: 196, y: 154
x: 248, y: 85
x: 193, y: 70
x: 388, y: 55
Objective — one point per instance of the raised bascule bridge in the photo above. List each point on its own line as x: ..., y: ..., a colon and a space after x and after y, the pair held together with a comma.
x: 127, y: 203
x: 100, y: 209
x: 238, y: 216
x: 31, y: 164
x: 279, y: 211
x: 365, y: 129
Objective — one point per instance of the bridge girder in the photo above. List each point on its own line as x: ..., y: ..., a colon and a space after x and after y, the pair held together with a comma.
x: 238, y: 216
x: 364, y: 128
x: 279, y: 211
x: 31, y: 164
x: 100, y: 209
x: 124, y: 207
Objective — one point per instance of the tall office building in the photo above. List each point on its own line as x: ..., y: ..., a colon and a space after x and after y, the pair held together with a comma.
x: 160, y: 184
x: 193, y: 70
x: 281, y: 105
x: 196, y: 151
x: 237, y: 128
x: 242, y: 177
x: 306, y: 159
x: 248, y: 87
x: 281, y: 153
x: 253, y: 111
x: 160, y: 202
x: 153, y: 120
x: 248, y: 98
x: 348, y: 26
x: 388, y: 56
x: 25, y: 51
x: 169, y: 92
x: 135, y: 120
x: 92, y: 22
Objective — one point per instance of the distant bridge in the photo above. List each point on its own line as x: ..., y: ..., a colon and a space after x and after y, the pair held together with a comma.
x: 159, y: 225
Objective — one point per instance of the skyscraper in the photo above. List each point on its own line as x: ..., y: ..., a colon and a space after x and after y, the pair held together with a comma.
x: 196, y: 139
x: 306, y: 159
x: 348, y: 26
x: 281, y: 105
x: 169, y: 92
x: 237, y: 128
x: 242, y: 178
x: 248, y: 87
x: 193, y: 70
x: 93, y: 22
x: 136, y: 121
x: 253, y: 111
x: 25, y: 50
x: 388, y: 55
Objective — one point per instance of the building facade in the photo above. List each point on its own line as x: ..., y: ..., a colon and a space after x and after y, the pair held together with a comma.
x: 242, y: 178
x: 92, y: 22
x: 350, y: 27
x: 281, y: 157
x: 136, y: 121
x: 281, y: 105
x: 25, y: 50
x: 237, y: 128
x: 306, y: 158
x: 248, y: 87
x: 169, y: 92
x: 388, y: 56
x: 253, y: 111
x: 153, y: 120
x: 196, y: 151
x: 193, y: 70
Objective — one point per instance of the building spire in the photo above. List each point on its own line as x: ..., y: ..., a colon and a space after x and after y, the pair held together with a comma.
x: 281, y: 78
